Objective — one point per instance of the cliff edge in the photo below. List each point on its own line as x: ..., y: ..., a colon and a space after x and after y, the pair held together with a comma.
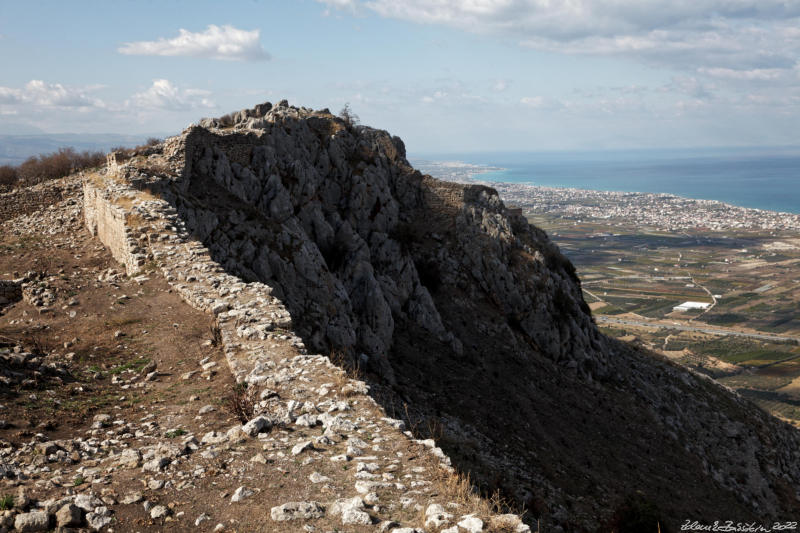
x: 466, y: 321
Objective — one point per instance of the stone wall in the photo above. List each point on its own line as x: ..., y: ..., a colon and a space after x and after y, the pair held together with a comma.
x: 108, y: 222
x: 255, y: 327
x: 30, y: 199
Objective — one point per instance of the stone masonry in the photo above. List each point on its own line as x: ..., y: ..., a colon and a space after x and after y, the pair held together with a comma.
x: 253, y: 325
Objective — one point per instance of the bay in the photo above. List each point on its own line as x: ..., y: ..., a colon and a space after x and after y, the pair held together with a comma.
x: 748, y: 177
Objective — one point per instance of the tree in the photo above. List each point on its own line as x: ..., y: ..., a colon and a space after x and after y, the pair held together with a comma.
x: 347, y: 114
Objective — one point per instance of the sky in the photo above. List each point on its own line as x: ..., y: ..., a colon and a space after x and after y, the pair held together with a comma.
x: 445, y: 75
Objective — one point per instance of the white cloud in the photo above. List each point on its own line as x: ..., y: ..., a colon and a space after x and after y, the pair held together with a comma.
x: 42, y: 94
x: 216, y: 42
x: 762, y: 74
x: 164, y: 95
x: 436, y: 96
x: 347, y: 5
x: 749, y: 34
x: 500, y: 86
x: 689, y: 86
x: 533, y: 101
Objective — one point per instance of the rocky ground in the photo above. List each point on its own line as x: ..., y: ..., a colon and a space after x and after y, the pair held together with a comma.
x: 117, y: 414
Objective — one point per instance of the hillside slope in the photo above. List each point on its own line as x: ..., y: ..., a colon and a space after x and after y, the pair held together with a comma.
x: 469, y: 323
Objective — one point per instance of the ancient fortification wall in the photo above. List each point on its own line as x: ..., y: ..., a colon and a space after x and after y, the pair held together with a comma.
x: 256, y: 334
x: 108, y: 222
x: 28, y: 200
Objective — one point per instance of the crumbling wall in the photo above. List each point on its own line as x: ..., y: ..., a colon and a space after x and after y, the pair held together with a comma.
x: 107, y: 222
x: 30, y: 199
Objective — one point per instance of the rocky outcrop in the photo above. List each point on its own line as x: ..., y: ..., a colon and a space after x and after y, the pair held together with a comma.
x: 470, y: 322
x: 324, y: 214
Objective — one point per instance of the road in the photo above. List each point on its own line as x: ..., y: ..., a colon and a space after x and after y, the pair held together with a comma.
x: 699, y: 329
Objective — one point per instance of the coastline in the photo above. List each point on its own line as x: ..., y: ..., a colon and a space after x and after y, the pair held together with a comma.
x: 663, y: 211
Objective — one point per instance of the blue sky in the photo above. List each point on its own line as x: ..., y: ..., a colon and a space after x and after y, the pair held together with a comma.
x: 445, y: 75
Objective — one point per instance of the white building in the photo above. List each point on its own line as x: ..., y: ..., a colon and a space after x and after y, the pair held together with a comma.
x: 686, y: 306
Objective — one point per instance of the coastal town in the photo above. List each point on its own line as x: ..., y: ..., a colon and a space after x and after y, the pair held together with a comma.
x: 664, y: 212
x: 709, y: 285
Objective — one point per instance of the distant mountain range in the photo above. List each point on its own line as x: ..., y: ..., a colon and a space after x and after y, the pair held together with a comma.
x: 14, y: 149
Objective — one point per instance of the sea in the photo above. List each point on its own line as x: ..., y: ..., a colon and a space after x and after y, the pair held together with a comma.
x: 761, y: 178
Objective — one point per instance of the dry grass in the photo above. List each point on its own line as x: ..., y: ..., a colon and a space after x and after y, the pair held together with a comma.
x: 95, y: 178
x: 351, y: 371
x: 458, y: 487
x: 135, y: 220
x: 125, y: 202
x: 157, y: 167
x: 144, y: 195
x: 216, y: 336
x: 241, y: 402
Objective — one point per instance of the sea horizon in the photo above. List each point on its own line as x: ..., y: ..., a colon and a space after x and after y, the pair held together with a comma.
x: 766, y: 178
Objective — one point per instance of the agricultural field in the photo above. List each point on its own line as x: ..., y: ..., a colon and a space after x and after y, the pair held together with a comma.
x: 748, y: 334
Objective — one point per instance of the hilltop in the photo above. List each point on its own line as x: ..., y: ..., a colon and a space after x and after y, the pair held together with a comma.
x: 300, y: 239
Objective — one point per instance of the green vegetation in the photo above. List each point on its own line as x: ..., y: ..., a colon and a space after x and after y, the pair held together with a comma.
x: 175, y: 433
x: 724, y: 319
x: 136, y: 366
x: 642, y: 274
x: 6, y: 502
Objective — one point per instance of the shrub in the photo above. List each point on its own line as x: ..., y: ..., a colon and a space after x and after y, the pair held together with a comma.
x: 242, y: 402
x: 227, y: 121
x: 349, y: 117
x: 6, y: 502
x: 8, y: 177
x: 58, y: 164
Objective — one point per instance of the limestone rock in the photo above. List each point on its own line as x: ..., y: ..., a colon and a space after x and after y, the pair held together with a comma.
x: 241, y: 494
x: 351, y: 511
x: 300, y: 447
x: 436, y: 516
x: 100, y: 518
x: 129, y: 458
x: 87, y: 502
x: 471, y: 523
x: 257, y: 425
x: 33, y: 521
x: 69, y: 515
x: 297, y: 511
x: 159, y: 511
